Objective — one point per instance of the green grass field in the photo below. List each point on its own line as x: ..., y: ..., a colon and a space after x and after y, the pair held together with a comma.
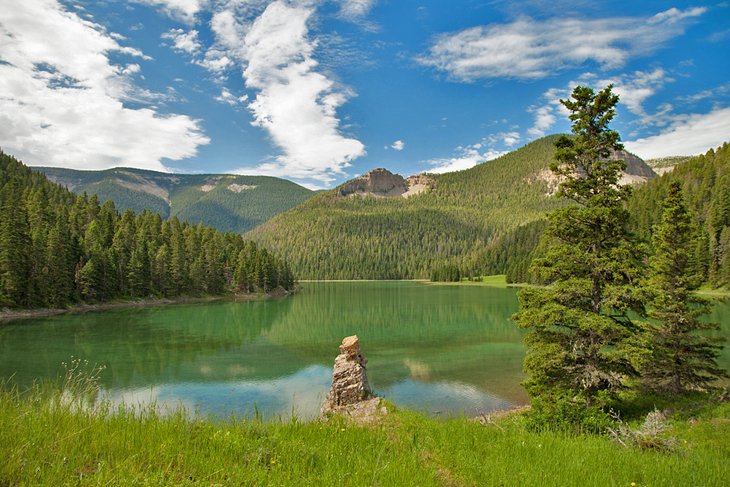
x: 45, y: 440
x: 499, y: 280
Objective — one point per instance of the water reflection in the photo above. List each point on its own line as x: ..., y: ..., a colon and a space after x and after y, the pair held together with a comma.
x: 438, y: 348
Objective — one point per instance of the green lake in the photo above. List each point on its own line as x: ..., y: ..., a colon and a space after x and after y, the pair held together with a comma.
x: 441, y: 349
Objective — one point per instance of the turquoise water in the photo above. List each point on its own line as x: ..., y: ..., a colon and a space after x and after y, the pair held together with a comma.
x: 441, y: 349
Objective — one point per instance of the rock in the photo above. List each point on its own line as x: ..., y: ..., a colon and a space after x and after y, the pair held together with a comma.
x: 378, y: 182
x: 349, y: 378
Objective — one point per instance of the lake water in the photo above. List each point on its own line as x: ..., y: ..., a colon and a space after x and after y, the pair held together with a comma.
x: 441, y: 349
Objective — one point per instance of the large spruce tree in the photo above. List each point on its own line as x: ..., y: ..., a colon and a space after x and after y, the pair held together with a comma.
x: 579, y: 323
x: 679, y: 359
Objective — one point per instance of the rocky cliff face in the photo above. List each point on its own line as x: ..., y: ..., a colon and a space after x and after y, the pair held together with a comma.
x: 383, y: 183
x: 379, y: 182
x: 637, y: 171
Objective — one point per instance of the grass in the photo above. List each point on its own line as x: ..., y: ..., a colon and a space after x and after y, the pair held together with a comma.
x: 499, y: 280
x: 710, y: 291
x: 46, y: 440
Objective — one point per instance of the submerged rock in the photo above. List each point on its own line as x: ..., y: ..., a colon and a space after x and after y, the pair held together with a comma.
x: 350, y: 393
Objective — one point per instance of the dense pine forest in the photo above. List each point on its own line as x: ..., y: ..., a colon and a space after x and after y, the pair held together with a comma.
x: 464, y: 221
x: 58, y: 248
x: 705, y: 182
x: 485, y: 220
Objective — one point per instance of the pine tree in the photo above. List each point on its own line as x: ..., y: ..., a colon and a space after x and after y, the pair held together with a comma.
x: 679, y: 359
x: 14, y: 247
x: 579, y: 325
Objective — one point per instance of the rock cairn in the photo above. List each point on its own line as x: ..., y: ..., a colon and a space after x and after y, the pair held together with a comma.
x: 349, y: 379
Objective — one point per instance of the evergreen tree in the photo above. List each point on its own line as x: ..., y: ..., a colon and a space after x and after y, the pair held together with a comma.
x: 57, y: 248
x: 579, y: 325
x: 679, y: 359
x: 14, y: 247
x: 60, y: 263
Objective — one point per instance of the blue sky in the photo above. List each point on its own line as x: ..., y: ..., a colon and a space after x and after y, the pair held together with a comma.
x: 319, y: 91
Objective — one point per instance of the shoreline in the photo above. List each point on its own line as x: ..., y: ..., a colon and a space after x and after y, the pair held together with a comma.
x: 8, y: 316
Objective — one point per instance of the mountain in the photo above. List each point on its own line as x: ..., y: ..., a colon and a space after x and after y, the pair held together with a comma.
x: 383, y: 226
x: 227, y: 202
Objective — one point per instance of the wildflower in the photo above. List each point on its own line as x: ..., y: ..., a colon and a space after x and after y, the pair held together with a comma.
x: 633, y: 484
x: 343, y: 429
x: 273, y: 461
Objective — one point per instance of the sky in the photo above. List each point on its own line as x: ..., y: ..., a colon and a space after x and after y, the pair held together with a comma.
x: 320, y: 91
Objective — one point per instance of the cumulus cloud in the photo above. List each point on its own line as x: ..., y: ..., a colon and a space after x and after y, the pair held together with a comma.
x: 398, y: 145
x: 533, y: 49
x: 510, y: 138
x: 183, y: 10
x: 634, y: 89
x: 63, y: 100
x: 295, y: 103
x: 465, y: 158
x: 687, y: 135
x: 183, y: 41
x: 230, y: 99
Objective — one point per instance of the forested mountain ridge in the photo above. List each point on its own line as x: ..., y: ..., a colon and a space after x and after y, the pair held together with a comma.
x: 229, y: 203
x: 58, y: 248
x: 464, y: 219
x: 705, y: 181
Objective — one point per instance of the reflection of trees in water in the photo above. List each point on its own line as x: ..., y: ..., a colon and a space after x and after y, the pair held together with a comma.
x: 396, y: 313
x: 721, y: 314
x: 142, y: 346
x: 427, y: 333
x: 412, y: 330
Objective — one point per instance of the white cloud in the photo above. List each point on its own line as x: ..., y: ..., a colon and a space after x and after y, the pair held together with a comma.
x: 510, y: 138
x: 687, y: 135
x: 546, y: 114
x: 466, y: 158
x: 184, y: 41
x: 294, y: 102
x: 215, y: 60
x: 398, y: 145
x: 355, y: 9
x: 633, y: 89
x: 183, y: 10
x: 62, y: 100
x: 532, y: 49
x: 720, y: 91
x: 230, y: 99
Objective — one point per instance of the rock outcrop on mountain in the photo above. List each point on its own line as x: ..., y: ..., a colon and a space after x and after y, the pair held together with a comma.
x: 382, y: 183
x: 637, y: 171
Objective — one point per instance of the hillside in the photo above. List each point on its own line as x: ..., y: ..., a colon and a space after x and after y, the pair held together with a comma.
x: 227, y: 202
x: 706, y: 186
x: 59, y: 249
x: 378, y: 227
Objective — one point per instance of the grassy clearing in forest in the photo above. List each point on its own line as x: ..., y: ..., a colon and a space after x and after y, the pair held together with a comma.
x: 45, y: 439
